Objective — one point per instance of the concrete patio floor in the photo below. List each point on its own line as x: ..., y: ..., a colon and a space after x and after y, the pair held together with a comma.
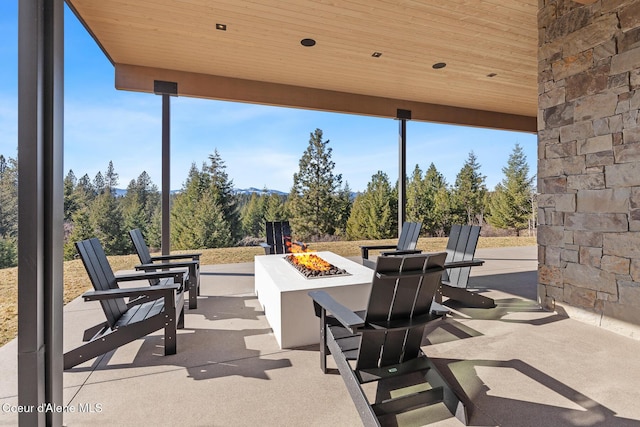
x: 516, y: 364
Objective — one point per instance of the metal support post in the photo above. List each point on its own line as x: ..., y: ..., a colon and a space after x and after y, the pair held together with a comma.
x: 166, y: 89
x: 40, y: 209
x: 403, y: 116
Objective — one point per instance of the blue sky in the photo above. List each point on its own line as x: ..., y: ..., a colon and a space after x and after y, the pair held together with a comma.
x: 260, y: 145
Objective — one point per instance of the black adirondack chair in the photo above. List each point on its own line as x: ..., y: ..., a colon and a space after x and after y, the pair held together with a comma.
x: 461, y: 249
x: 385, y: 341
x: 148, y: 263
x: 150, y: 308
x: 278, y: 238
x: 406, y: 242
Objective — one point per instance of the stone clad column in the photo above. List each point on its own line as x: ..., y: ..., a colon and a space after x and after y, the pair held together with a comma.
x: 589, y: 161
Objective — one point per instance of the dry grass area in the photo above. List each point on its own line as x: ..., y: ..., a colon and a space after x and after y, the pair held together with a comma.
x: 76, y: 280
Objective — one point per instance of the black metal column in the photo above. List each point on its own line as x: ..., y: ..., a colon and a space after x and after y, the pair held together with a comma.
x: 166, y: 173
x: 40, y: 208
x: 403, y: 116
x: 166, y: 89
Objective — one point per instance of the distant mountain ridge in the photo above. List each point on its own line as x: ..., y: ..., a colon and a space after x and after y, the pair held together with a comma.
x: 254, y: 190
x: 120, y: 192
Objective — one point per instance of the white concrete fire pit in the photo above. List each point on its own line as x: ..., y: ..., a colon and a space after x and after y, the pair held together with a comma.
x: 282, y: 291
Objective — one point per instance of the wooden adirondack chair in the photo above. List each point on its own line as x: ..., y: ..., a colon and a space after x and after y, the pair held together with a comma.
x: 406, y: 242
x: 385, y: 341
x: 461, y: 249
x: 149, y: 309
x: 278, y: 238
x: 148, y: 263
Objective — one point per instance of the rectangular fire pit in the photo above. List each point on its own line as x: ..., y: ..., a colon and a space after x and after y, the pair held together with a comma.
x: 282, y: 292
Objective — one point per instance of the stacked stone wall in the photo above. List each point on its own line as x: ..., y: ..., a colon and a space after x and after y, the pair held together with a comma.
x: 589, y: 157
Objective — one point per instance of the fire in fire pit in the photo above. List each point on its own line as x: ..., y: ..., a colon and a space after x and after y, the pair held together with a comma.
x: 312, y: 266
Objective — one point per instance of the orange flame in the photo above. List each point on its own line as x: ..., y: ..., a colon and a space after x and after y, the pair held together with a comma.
x: 296, y: 247
x: 311, y: 261
x: 304, y: 257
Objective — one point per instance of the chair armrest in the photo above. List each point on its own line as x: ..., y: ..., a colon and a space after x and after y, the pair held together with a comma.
x: 344, y: 315
x: 129, y: 292
x: 178, y: 276
x: 364, y: 249
x: 379, y: 246
x: 460, y: 264
x: 152, y: 267
x: 268, y: 249
x: 193, y: 256
x: 405, y: 252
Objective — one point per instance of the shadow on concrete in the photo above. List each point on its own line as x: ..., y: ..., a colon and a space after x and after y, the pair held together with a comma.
x: 223, y: 273
x: 523, y: 284
x: 218, y: 349
x: 566, y: 406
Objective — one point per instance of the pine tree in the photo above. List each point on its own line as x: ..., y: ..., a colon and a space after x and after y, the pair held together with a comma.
x: 110, y: 178
x: 140, y: 203
x: 435, y: 196
x: 108, y: 223
x: 510, y: 205
x: 154, y: 230
x: 469, y: 192
x: 183, y: 233
x: 274, y: 209
x: 374, y: 213
x: 222, y: 187
x: 85, y: 192
x: 252, y: 216
x: 205, y: 214
x: 343, y: 210
x: 8, y: 212
x: 70, y: 195
x: 98, y: 183
x: 82, y: 229
x: 420, y: 199
x: 357, y: 222
x: 212, y: 228
x: 8, y: 253
x: 8, y: 198
x: 314, y: 206
x: 443, y: 213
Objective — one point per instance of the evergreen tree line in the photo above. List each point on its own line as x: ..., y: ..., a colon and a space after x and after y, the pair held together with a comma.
x: 319, y: 207
x: 207, y: 214
x: 8, y: 212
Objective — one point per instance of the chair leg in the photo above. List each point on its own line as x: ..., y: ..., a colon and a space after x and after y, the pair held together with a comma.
x: 324, y: 349
x: 180, y: 324
x: 193, y: 287
x: 170, y: 331
x: 364, y: 253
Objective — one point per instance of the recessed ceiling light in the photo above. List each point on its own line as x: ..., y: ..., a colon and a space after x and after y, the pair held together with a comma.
x: 376, y: 54
x: 491, y: 75
x: 439, y: 65
x: 308, y: 42
x: 221, y: 27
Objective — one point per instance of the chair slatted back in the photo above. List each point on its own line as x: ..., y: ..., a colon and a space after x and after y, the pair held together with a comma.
x: 141, y: 246
x: 399, y: 299
x: 278, y: 235
x: 461, y: 246
x: 409, y: 236
x: 142, y: 250
x: 102, y: 277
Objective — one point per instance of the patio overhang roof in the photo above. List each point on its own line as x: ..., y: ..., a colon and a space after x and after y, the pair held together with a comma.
x: 370, y: 57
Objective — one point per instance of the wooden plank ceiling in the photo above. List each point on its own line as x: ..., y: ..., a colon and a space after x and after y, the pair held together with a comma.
x: 489, y: 47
